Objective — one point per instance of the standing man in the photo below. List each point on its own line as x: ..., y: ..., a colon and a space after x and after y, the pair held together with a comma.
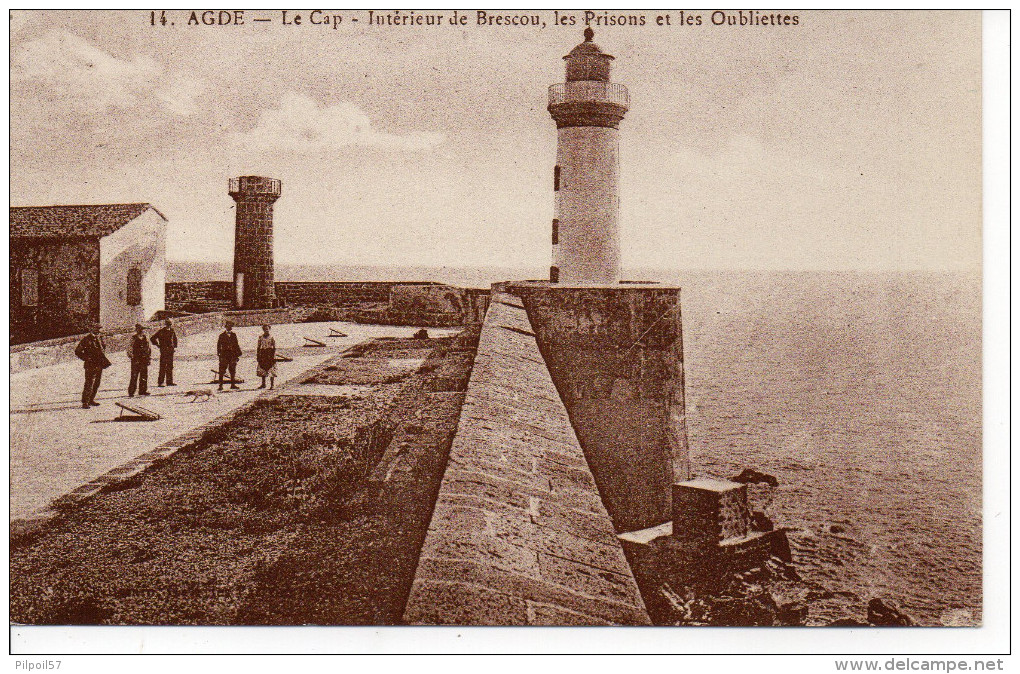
x: 229, y: 352
x: 140, y: 353
x: 166, y: 339
x: 92, y: 350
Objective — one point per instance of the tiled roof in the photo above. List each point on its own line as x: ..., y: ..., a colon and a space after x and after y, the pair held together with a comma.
x: 69, y: 221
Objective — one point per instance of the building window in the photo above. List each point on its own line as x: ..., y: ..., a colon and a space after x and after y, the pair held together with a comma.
x: 134, y: 287
x: 556, y: 179
x: 556, y: 231
x: 29, y: 287
x: 554, y: 274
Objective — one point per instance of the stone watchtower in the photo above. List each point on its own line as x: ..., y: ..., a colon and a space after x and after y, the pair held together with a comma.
x: 588, y: 109
x: 253, y: 241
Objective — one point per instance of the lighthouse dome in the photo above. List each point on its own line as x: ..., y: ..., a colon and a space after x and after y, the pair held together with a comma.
x: 586, y: 62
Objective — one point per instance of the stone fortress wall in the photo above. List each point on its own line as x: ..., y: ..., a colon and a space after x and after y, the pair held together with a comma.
x: 381, y: 302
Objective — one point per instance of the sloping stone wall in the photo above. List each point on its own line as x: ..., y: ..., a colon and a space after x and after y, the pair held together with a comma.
x: 519, y: 535
x: 615, y: 354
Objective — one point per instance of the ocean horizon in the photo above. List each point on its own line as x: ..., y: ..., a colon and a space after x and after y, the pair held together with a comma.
x: 484, y: 276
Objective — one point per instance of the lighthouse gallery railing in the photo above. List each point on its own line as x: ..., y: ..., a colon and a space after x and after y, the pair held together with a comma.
x: 254, y: 185
x: 600, y: 92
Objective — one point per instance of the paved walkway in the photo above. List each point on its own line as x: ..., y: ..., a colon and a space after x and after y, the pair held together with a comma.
x: 57, y: 446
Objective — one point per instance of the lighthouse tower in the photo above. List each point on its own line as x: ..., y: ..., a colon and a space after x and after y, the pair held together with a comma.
x: 254, y: 286
x: 588, y: 109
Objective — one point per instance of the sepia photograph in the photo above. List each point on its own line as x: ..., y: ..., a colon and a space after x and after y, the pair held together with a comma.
x: 547, y: 318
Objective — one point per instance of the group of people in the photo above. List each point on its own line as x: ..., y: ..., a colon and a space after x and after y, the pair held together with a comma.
x: 92, y: 351
x: 229, y: 352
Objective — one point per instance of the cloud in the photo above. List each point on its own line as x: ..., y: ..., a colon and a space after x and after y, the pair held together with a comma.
x: 301, y: 125
x: 63, y: 68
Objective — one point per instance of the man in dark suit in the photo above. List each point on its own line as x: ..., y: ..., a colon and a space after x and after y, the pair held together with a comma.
x: 93, y: 352
x: 229, y: 352
x: 140, y: 353
x: 166, y: 339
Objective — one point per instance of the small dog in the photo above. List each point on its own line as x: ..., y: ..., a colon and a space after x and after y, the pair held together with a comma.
x: 204, y: 393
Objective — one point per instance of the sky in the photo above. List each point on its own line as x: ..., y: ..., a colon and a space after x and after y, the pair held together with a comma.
x: 848, y: 141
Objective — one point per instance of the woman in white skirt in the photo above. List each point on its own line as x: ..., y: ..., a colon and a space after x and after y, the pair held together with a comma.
x: 265, y: 357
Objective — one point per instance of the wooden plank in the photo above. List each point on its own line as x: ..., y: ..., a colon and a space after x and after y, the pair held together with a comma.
x: 147, y: 414
x: 313, y: 342
x: 226, y: 378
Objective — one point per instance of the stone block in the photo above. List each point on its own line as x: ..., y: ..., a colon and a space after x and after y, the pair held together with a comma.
x: 594, y: 609
x: 603, y: 556
x: 707, y: 512
x: 452, y: 603
x: 491, y: 551
x: 548, y: 615
x: 589, y: 580
x: 752, y: 549
x: 484, y: 489
x: 583, y: 524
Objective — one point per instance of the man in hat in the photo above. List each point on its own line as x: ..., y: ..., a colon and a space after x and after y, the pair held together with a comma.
x: 140, y: 353
x: 229, y: 352
x: 92, y: 351
x: 166, y: 339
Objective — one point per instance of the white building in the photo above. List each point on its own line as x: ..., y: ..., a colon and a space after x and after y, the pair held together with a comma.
x: 73, y: 265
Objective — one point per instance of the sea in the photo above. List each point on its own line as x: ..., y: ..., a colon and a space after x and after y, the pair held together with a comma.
x: 861, y: 394
x: 859, y: 391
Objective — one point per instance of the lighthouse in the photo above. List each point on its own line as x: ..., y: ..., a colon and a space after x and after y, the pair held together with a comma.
x: 614, y: 350
x: 588, y: 109
x: 254, y: 286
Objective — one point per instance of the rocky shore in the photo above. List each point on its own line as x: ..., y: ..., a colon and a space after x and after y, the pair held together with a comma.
x: 683, y: 588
